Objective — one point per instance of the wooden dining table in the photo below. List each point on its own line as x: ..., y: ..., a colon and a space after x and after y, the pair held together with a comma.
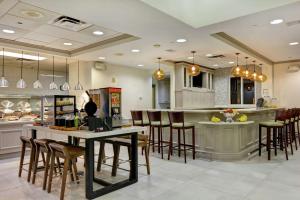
x: 90, y: 137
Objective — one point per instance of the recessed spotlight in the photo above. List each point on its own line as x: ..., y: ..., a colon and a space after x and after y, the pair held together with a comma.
x: 215, y: 65
x: 209, y: 55
x: 135, y: 50
x: 181, y: 40
x: 140, y: 65
x: 190, y: 57
x: 8, y: 31
x: 101, y: 58
x: 68, y: 43
x: 293, y: 43
x: 231, y: 62
x: 98, y: 33
x: 276, y: 21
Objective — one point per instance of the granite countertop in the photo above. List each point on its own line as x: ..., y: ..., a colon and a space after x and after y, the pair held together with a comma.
x: 225, y: 123
x: 15, y: 122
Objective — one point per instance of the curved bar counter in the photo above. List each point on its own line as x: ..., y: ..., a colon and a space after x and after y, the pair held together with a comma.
x: 223, y: 141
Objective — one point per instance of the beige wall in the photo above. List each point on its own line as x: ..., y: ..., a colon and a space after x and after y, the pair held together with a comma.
x: 287, y: 85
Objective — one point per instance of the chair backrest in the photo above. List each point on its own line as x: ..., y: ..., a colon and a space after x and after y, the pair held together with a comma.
x: 281, y: 115
x: 137, y: 115
x: 154, y: 116
x: 176, y: 117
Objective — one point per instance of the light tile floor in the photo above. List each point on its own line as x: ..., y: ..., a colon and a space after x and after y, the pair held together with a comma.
x: 255, y: 179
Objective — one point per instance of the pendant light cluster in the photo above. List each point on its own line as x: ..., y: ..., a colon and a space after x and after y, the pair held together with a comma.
x: 246, y: 72
x: 3, y: 80
x: 159, y: 74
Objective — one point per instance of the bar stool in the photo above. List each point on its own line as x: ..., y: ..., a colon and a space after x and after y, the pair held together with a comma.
x: 295, y: 113
x: 42, y: 146
x: 290, y: 128
x: 137, y: 119
x: 27, y: 142
x: 69, y: 153
x: 177, y: 122
x: 278, y: 128
x: 156, y: 121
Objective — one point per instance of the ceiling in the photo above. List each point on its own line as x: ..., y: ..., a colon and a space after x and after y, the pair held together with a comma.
x: 248, y: 23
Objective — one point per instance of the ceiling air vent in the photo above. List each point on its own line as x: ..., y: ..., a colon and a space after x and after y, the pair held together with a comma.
x: 70, y: 23
x: 216, y: 56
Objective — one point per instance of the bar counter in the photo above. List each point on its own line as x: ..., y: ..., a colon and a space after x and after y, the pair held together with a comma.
x: 223, y: 141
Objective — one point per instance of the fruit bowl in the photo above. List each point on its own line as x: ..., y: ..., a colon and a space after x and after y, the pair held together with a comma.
x: 229, y: 114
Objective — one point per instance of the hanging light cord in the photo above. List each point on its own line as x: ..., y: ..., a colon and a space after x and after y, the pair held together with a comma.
x: 246, y: 63
x: 3, y: 62
x: 66, y: 69
x: 159, y: 63
x: 237, y: 59
x: 38, y: 69
x: 22, y: 66
x: 254, y: 66
x: 53, y: 68
x: 78, y: 72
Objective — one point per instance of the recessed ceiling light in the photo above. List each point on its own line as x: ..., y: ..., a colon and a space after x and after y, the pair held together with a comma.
x: 209, y: 55
x: 140, y: 65
x: 293, y: 43
x: 68, y: 43
x: 215, y: 65
x: 231, y: 62
x: 190, y: 57
x: 8, y: 31
x: 276, y: 21
x: 181, y: 40
x: 98, y: 33
x: 135, y: 50
x: 101, y: 58
x: 18, y: 55
x: 32, y: 14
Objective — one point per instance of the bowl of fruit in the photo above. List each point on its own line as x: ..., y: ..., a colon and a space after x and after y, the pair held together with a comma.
x: 229, y: 114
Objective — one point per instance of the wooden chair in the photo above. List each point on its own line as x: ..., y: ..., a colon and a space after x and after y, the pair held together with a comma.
x: 177, y: 122
x: 27, y: 142
x: 69, y: 153
x: 155, y: 119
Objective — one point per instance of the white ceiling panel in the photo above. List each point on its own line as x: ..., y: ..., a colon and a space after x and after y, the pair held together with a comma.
x: 40, y: 37
x: 31, y: 41
x: 18, y: 32
x: 59, y: 44
x: 18, y: 22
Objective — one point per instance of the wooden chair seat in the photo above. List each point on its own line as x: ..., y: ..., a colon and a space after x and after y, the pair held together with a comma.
x: 272, y: 124
x: 180, y: 125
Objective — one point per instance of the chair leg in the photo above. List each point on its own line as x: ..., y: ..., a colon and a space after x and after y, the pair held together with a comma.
x: 22, y: 158
x: 161, y: 143
x: 170, y: 144
x: 184, y: 145
x: 46, y: 170
x: 35, y: 165
x: 58, y: 165
x: 43, y: 158
x: 298, y: 131
x: 75, y: 170
x: 179, y: 143
x: 147, y: 161
x: 31, y: 161
x: 193, y: 143
x: 285, y: 144
x: 64, y: 178
x: 51, y: 171
x: 275, y: 140
x: 115, y: 160
x: 100, y: 156
x: 269, y: 143
x: 153, y: 138
x: 259, y: 142
x: 294, y: 134
x: 290, y: 140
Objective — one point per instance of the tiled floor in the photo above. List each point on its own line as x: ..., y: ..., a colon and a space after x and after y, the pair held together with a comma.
x: 255, y: 179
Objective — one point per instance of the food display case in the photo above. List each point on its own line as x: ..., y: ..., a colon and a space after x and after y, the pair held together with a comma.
x: 57, y: 109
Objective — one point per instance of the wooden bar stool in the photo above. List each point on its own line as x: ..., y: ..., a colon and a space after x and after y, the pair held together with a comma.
x: 177, y: 122
x: 290, y: 128
x: 278, y: 133
x: 27, y: 142
x: 138, y: 119
x: 42, y: 147
x: 69, y: 153
x: 156, y: 121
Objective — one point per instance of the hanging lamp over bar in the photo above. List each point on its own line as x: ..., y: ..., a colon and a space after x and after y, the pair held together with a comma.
x: 3, y: 80
x: 78, y: 86
x: 193, y: 70
x: 53, y: 85
x: 21, y: 84
x: 237, y: 71
x: 254, y: 74
x: 261, y: 77
x: 37, y: 84
x: 66, y: 86
x: 159, y: 74
x: 246, y: 72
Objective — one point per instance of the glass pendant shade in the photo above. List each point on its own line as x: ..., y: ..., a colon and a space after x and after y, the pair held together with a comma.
x: 159, y: 74
x: 78, y: 86
x: 262, y: 78
x: 21, y: 84
x: 3, y: 82
x: 53, y: 86
x: 193, y: 70
x: 65, y: 86
x: 254, y: 75
x: 37, y: 85
x: 246, y: 72
x: 237, y: 71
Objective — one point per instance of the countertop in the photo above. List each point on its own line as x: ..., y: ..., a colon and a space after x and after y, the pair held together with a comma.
x: 15, y: 122
x: 225, y: 123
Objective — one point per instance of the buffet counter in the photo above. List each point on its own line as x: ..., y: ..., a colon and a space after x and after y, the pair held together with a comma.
x: 221, y: 140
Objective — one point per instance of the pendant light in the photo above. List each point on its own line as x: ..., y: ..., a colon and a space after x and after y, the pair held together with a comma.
x: 237, y: 70
x: 193, y: 70
x: 21, y: 83
x: 78, y: 86
x: 246, y: 72
x: 159, y: 74
x: 37, y: 84
x: 3, y: 81
x: 66, y: 86
x: 261, y: 77
x: 254, y: 74
x: 53, y: 85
